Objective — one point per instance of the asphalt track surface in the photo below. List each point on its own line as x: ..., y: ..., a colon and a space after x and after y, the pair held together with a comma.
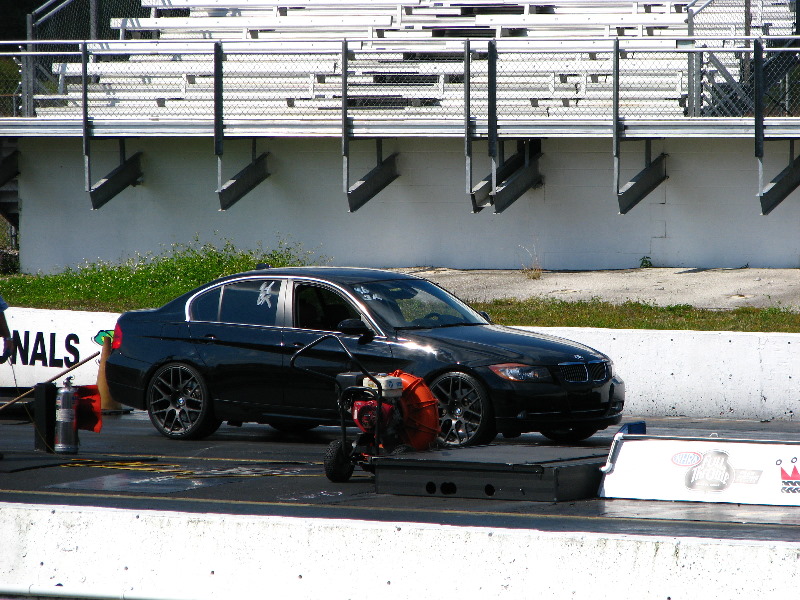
x: 257, y: 470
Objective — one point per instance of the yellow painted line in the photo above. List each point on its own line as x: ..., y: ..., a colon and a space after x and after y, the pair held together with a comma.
x: 375, y: 509
x: 209, y: 458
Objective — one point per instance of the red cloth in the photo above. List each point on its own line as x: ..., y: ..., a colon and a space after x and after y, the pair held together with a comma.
x: 89, y: 412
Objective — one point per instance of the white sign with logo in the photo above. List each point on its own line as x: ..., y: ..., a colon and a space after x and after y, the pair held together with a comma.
x: 49, y: 342
x: 703, y: 470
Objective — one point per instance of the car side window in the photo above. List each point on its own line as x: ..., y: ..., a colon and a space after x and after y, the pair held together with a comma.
x: 319, y: 308
x: 206, y: 306
x: 251, y: 302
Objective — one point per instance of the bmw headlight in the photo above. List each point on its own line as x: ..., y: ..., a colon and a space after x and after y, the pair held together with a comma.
x: 519, y: 372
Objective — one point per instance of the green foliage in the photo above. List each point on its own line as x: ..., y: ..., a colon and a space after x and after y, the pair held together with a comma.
x: 645, y: 262
x: 144, y: 281
x: 545, y: 312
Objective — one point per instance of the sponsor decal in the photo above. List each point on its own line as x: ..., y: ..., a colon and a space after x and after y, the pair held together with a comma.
x: 687, y: 459
x: 712, y: 471
x: 102, y: 335
x: 712, y: 474
x: 790, y: 476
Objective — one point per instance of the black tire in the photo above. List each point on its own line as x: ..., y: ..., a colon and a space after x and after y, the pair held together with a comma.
x: 291, y: 425
x: 179, y: 404
x: 338, y: 466
x: 569, y: 435
x: 466, y: 417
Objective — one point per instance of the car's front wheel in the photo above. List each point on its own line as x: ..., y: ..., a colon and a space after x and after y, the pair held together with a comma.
x: 466, y: 417
x: 179, y: 404
x: 569, y: 435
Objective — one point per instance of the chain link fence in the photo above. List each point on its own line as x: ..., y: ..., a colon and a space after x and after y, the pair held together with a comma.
x: 131, y: 79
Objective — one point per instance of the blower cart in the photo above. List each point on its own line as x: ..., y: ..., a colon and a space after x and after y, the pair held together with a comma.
x: 394, y: 412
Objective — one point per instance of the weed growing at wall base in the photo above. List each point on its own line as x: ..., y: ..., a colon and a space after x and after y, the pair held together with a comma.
x: 547, y: 312
x: 146, y: 281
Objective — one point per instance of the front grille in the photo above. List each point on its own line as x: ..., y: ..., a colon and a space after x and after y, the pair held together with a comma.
x: 584, y: 372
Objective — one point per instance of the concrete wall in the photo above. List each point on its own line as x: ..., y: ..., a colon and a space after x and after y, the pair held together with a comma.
x: 112, y: 553
x: 667, y: 373
x: 715, y: 374
x: 705, y: 215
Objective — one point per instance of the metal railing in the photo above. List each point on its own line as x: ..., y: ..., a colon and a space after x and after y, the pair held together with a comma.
x: 404, y: 85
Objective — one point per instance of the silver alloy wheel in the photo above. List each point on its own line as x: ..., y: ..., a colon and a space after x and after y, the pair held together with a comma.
x: 465, y: 417
x: 177, y: 401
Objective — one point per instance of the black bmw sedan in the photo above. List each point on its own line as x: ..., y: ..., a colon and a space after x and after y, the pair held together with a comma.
x: 222, y: 351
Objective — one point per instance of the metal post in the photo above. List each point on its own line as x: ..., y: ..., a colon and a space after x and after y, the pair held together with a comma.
x: 219, y: 127
x: 467, y: 116
x: 691, y: 71
x: 94, y: 17
x: 615, y: 115
x: 758, y: 102
x: 492, y: 109
x: 218, y: 106
x: 345, y: 129
x: 28, y: 73
x: 87, y: 133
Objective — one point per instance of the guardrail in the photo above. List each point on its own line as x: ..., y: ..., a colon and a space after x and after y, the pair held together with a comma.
x: 406, y: 87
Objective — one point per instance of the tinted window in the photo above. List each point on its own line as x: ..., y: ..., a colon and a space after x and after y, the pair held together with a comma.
x: 320, y: 308
x: 206, y: 307
x: 253, y: 302
x: 413, y: 303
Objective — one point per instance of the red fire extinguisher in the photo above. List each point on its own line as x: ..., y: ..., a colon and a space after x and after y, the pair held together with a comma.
x: 66, y: 434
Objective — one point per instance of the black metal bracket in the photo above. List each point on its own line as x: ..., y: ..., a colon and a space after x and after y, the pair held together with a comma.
x: 789, y: 178
x: 384, y: 173
x: 9, y: 167
x: 371, y: 184
x: 647, y: 180
x: 129, y: 172
x: 782, y: 185
x: 509, y: 181
x: 244, y: 181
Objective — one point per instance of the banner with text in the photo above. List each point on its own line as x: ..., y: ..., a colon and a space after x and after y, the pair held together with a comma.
x: 49, y: 341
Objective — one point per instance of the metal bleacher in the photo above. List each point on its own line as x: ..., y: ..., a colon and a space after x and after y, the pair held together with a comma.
x: 478, y: 69
x: 406, y: 61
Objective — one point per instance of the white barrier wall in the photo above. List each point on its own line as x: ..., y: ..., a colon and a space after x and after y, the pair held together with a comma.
x: 701, y: 373
x: 667, y: 373
x: 705, y: 215
x: 145, y: 554
x: 50, y: 341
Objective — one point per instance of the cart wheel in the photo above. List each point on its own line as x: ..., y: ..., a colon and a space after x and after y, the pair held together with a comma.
x: 338, y: 466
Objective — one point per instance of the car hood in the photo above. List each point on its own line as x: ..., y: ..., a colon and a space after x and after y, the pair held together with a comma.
x: 487, y: 344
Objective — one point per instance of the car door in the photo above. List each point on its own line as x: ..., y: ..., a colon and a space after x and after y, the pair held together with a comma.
x: 237, y: 328
x: 316, y: 310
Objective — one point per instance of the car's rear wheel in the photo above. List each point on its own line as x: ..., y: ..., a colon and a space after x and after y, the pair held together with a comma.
x: 179, y: 404
x: 569, y: 435
x: 466, y: 417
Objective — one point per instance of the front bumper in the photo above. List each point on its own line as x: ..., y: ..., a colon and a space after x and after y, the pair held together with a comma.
x: 522, y: 407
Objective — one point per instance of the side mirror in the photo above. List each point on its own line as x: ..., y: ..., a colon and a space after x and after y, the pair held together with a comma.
x: 485, y: 315
x: 356, y: 327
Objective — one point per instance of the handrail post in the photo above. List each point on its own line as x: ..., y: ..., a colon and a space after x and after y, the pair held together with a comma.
x: 615, y: 115
x: 491, y: 107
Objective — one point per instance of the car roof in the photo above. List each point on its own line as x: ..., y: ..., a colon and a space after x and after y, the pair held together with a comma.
x: 342, y: 275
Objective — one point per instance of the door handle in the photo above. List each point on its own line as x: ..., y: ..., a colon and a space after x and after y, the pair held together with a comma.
x: 210, y: 337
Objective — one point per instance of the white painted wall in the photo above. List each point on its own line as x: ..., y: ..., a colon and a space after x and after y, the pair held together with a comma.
x: 112, y: 553
x: 705, y: 215
x: 713, y: 374
x: 718, y: 374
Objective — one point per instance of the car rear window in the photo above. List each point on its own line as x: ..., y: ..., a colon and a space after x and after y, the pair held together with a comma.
x: 252, y: 302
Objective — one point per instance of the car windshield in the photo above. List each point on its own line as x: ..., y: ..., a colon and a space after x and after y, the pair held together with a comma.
x: 415, y: 304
